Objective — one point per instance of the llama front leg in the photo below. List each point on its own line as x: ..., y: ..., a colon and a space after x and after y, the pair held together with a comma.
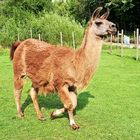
x: 70, y: 101
x: 33, y: 93
x: 73, y: 97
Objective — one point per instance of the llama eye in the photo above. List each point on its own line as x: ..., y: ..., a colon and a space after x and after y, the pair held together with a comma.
x: 98, y: 23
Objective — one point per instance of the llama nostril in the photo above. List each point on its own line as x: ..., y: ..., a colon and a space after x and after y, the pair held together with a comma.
x: 112, y: 28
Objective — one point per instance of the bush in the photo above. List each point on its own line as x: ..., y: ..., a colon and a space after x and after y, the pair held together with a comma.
x: 8, y: 32
x: 19, y: 17
x: 51, y: 25
x: 48, y: 25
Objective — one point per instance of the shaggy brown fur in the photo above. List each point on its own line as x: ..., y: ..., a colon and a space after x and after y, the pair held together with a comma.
x: 62, y: 69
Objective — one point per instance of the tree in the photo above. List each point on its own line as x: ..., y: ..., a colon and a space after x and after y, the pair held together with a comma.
x: 125, y: 13
x: 31, y: 6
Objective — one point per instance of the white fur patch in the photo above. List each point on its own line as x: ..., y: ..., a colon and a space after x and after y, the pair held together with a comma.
x: 17, y: 91
x: 58, y: 112
x: 72, y: 122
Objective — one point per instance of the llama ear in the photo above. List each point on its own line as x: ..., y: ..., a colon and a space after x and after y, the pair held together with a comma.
x: 105, y: 15
x: 96, y: 13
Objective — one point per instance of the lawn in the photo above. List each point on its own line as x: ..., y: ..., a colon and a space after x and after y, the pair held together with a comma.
x: 108, y: 109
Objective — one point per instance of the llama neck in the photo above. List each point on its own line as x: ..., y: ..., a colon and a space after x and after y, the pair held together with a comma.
x: 91, y: 45
x: 91, y: 48
x: 87, y: 58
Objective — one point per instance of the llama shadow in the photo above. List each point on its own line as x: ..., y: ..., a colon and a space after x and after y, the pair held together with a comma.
x: 127, y: 57
x: 53, y: 101
x: 83, y: 99
x: 119, y: 55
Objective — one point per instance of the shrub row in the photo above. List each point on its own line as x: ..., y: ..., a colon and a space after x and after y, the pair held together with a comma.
x: 48, y: 25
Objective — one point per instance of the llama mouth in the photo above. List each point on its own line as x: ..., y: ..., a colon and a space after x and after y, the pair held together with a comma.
x: 113, y: 32
x: 109, y: 32
x: 101, y: 36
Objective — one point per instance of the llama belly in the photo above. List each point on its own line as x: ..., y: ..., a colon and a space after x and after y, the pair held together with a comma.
x: 45, y: 89
x: 44, y: 84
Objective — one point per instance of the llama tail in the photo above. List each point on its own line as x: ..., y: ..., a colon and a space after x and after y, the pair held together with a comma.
x: 13, y: 48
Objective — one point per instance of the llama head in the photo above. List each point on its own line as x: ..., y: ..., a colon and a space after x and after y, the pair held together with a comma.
x: 100, y: 25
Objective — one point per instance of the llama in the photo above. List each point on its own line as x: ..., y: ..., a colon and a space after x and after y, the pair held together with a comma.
x: 60, y: 69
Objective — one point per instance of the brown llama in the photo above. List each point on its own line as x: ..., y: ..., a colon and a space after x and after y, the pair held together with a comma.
x: 60, y: 69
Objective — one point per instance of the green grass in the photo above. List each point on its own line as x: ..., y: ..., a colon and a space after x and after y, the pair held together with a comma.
x: 109, y: 109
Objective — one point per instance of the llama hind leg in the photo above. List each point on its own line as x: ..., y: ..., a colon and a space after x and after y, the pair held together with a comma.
x: 34, y: 93
x: 73, y: 97
x: 18, y: 86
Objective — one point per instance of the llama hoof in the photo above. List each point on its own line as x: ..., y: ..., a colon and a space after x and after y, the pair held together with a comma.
x: 42, y: 118
x: 53, y: 116
x: 75, y: 127
x: 21, y: 115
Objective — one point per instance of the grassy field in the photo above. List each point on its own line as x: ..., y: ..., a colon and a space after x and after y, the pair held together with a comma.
x: 109, y: 109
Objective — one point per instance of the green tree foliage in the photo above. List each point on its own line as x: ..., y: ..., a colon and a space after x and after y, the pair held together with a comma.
x: 23, y: 15
x: 124, y: 12
x: 61, y: 8
x: 82, y: 9
x: 32, y: 6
